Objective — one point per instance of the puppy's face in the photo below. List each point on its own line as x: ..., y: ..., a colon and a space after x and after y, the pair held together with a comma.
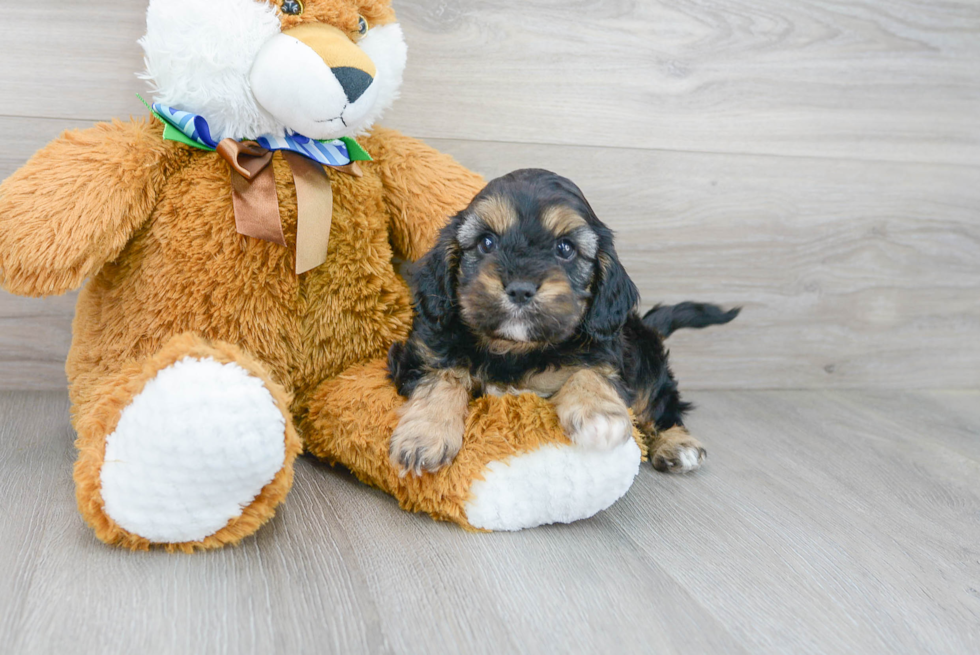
x: 527, y: 265
x: 528, y: 252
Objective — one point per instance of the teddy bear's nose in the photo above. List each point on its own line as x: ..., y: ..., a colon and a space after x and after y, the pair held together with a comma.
x: 353, y: 80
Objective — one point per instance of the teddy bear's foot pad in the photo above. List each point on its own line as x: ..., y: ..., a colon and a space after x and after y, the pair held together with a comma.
x: 554, y: 484
x: 192, y: 450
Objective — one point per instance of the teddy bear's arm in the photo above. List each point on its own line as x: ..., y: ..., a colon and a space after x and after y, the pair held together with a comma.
x: 76, y: 203
x: 423, y: 189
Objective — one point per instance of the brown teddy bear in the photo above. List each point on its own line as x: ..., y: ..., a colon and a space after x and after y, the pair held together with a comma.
x: 241, y: 295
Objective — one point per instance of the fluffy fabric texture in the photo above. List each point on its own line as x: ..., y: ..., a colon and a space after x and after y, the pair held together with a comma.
x: 179, y: 266
x: 554, y: 484
x: 385, y: 45
x: 150, y: 224
x: 292, y: 82
x: 200, y: 56
x: 62, y: 221
x: 209, y: 432
x: 354, y: 415
x: 101, y: 416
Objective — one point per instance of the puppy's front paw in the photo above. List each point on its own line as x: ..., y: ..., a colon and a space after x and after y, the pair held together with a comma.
x: 420, y: 444
x: 602, y: 429
x: 678, y: 456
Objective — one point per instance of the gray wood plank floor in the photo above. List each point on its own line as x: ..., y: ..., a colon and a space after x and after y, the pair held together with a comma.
x: 824, y: 522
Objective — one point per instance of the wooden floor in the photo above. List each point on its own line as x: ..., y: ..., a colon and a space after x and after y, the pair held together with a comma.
x: 824, y: 522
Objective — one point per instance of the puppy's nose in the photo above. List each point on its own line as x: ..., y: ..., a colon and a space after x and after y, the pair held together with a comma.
x: 521, y: 292
x: 353, y: 80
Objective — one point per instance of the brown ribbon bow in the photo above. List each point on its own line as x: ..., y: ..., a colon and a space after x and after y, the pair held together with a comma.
x: 253, y: 193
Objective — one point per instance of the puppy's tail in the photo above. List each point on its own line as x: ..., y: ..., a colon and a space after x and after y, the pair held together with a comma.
x: 667, y: 319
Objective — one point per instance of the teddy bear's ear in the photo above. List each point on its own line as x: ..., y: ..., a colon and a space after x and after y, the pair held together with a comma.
x: 434, y: 278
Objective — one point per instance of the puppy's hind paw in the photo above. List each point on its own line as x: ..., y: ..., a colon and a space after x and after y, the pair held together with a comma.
x: 678, y: 456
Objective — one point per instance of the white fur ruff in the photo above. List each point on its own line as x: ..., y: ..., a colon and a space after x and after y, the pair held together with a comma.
x: 200, y: 56
x: 554, y: 484
x: 513, y: 329
x: 191, y: 451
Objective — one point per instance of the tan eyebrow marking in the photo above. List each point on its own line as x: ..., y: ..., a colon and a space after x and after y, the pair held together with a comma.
x: 561, y: 219
x: 497, y: 213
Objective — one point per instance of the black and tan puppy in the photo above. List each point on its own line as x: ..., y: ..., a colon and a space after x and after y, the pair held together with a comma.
x: 524, y: 293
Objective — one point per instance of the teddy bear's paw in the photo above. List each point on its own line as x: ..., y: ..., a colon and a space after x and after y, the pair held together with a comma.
x: 425, y: 443
x: 553, y: 484
x: 191, y: 451
x: 601, y: 429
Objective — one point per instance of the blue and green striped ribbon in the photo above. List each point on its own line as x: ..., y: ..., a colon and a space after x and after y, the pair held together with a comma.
x: 193, y: 130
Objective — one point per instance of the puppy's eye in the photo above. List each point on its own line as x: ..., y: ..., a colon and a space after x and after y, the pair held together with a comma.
x: 488, y: 243
x: 565, y: 249
x: 362, y: 26
x: 292, y: 7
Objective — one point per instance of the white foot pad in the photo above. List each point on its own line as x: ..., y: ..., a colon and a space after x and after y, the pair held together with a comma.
x: 191, y: 451
x: 554, y: 484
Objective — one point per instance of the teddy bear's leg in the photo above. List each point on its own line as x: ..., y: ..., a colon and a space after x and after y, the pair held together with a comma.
x: 516, y: 469
x: 192, y: 448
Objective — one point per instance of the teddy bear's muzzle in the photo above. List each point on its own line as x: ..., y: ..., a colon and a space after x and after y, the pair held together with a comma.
x: 314, y: 80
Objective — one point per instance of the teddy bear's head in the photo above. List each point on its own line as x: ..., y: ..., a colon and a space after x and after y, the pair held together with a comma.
x: 320, y: 68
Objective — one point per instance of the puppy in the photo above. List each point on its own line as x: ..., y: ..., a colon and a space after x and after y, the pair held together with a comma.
x: 524, y: 293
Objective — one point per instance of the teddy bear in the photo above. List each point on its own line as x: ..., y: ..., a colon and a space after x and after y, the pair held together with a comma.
x: 235, y: 252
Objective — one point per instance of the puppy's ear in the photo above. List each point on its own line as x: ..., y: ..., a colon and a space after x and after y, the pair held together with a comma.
x: 614, y: 295
x: 434, y: 278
